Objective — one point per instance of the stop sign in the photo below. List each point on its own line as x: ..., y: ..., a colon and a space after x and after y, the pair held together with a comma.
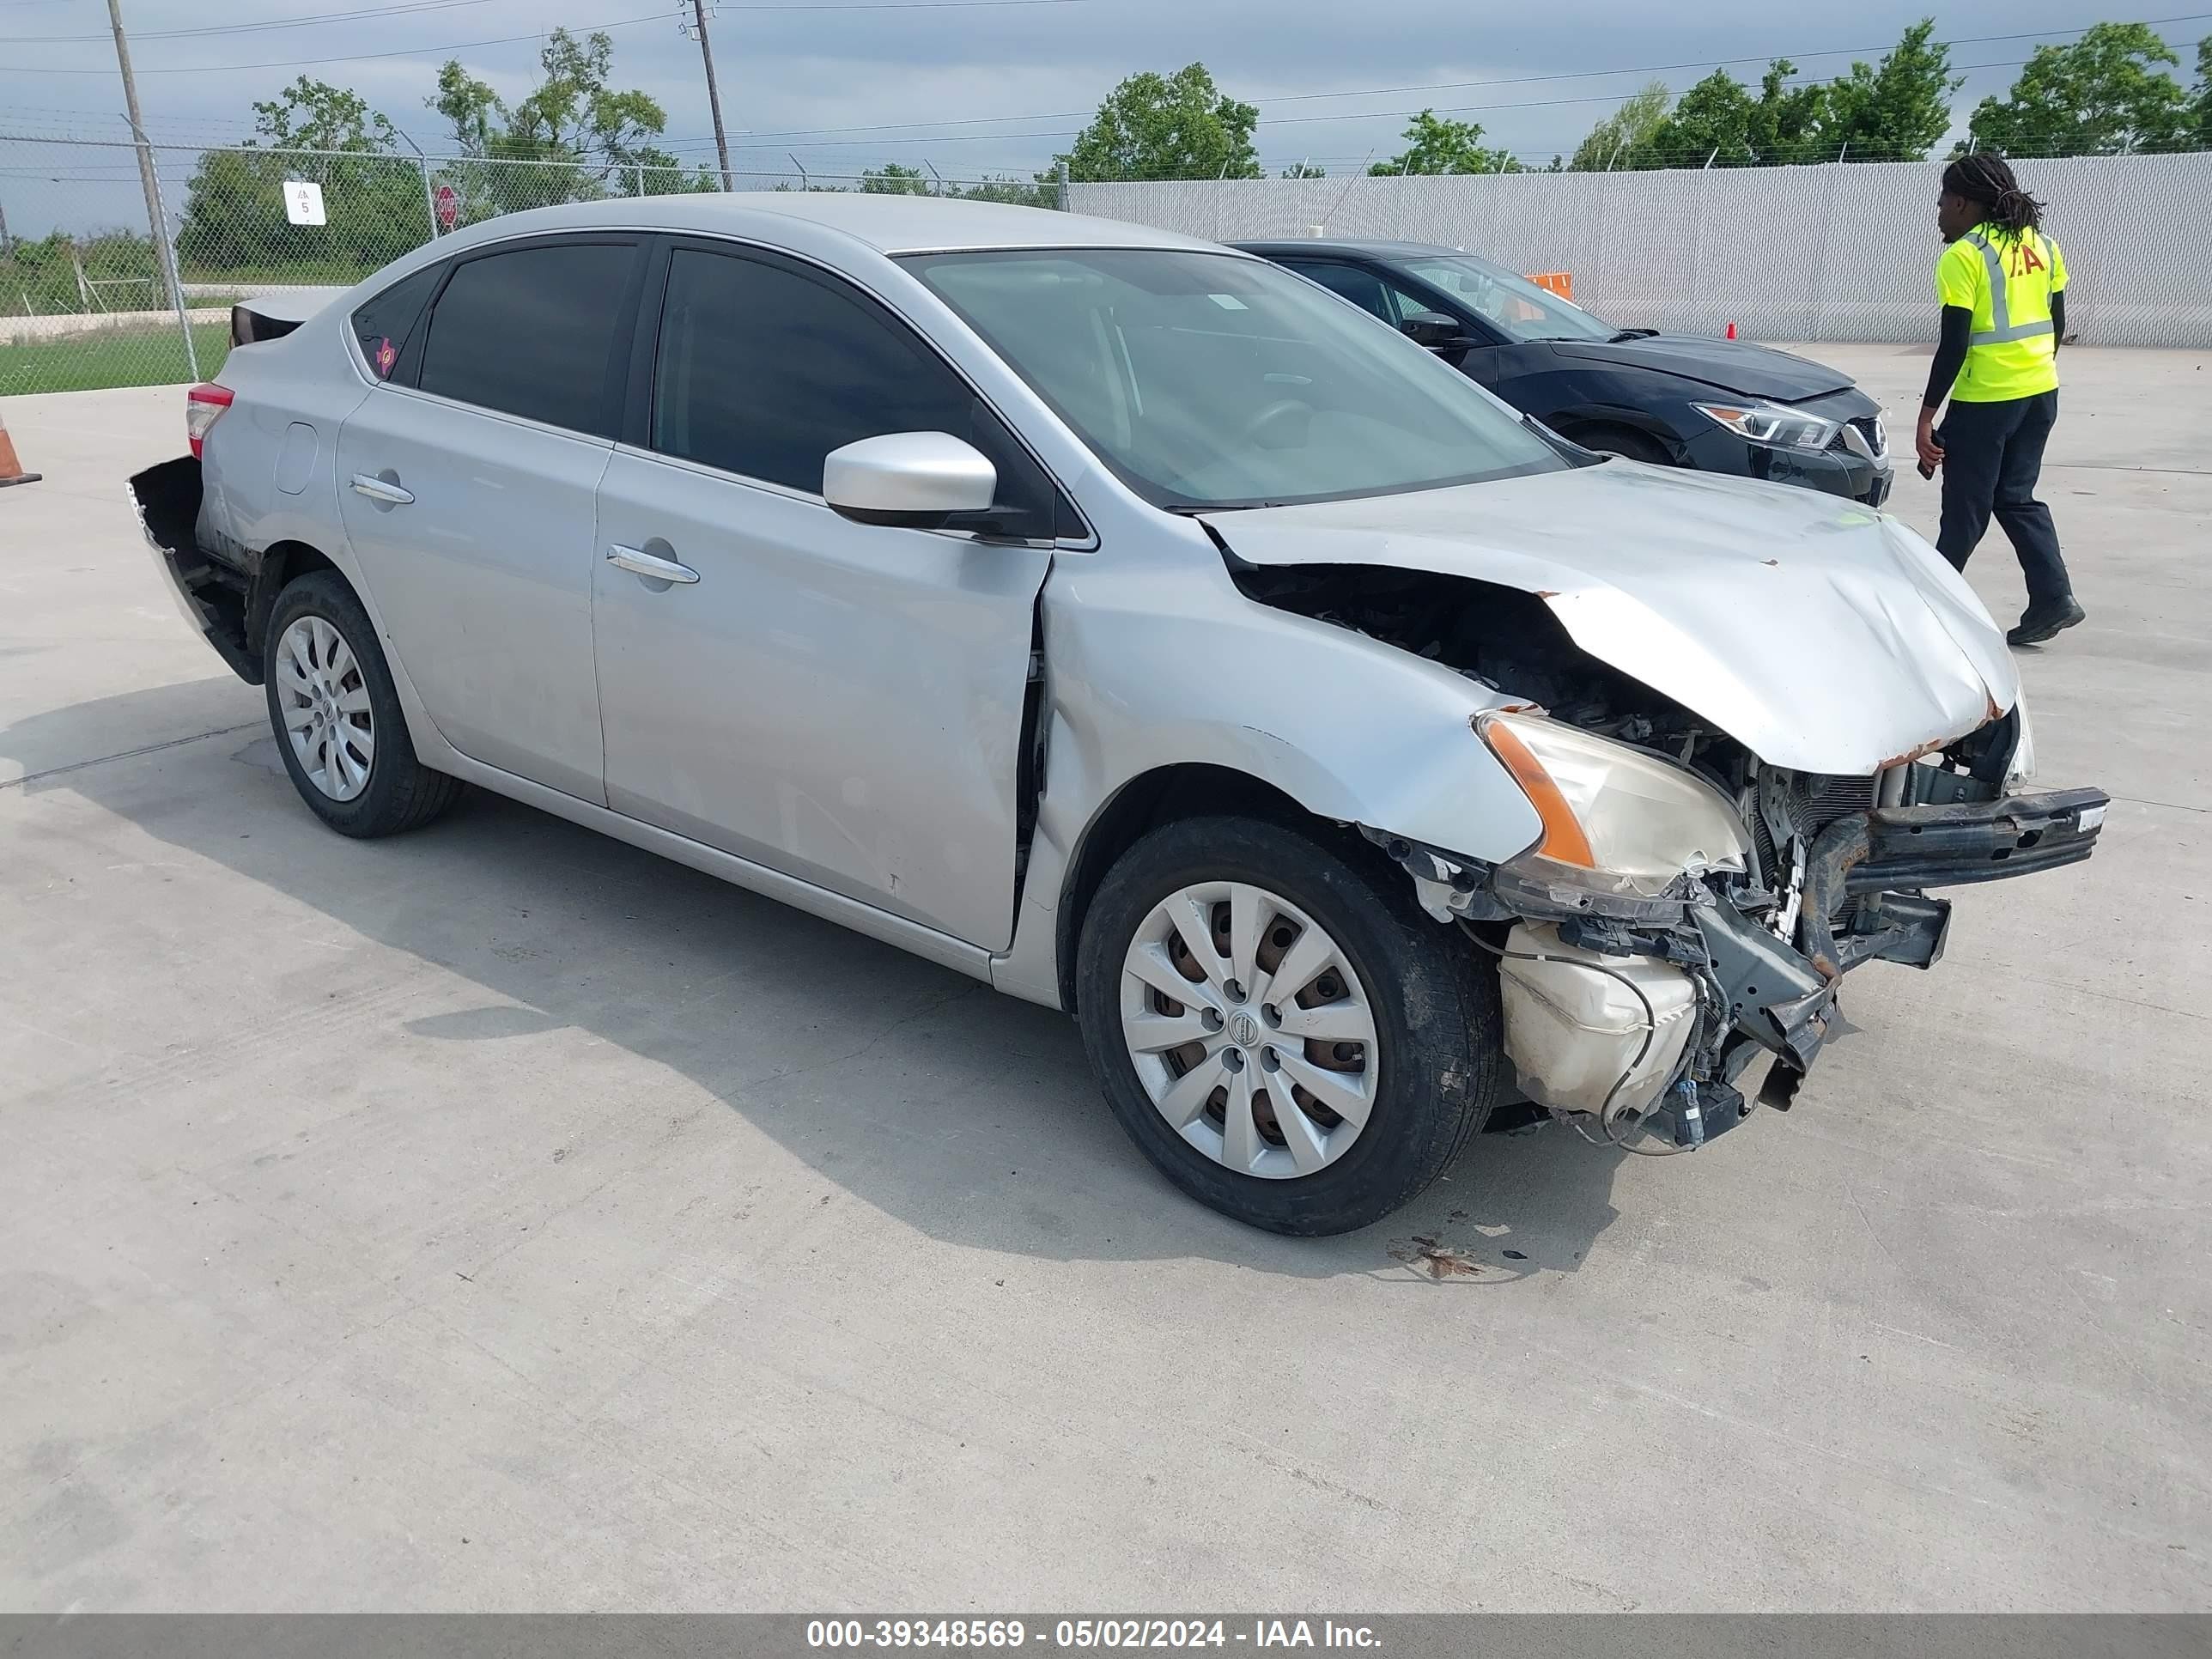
x: 448, y: 205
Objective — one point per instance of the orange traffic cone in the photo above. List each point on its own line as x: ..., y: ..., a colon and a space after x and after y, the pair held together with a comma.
x: 11, y: 470
x: 1731, y: 331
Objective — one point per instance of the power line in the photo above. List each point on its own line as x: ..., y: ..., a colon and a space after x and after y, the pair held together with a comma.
x: 248, y: 29
x: 766, y: 142
x: 786, y: 135
x: 538, y: 34
x: 359, y: 56
x: 409, y: 7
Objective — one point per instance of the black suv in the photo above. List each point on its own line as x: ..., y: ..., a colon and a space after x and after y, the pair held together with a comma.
x: 1676, y: 399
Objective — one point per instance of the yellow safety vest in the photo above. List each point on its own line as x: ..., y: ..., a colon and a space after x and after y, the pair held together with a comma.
x: 2007, y: 282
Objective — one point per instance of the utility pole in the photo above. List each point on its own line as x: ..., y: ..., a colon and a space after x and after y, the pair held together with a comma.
x: 713, y: 93
x: 154, y: 220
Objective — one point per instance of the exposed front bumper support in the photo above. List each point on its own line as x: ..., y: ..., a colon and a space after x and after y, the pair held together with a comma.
x: 1862, y: 901
x: 1895, y: 851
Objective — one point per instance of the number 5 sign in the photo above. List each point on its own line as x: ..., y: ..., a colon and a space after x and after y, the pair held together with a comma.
x: 303, y: 203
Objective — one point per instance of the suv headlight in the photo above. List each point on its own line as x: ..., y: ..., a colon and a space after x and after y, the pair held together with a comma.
x: 1625, y: 821
x: 1772, y: 424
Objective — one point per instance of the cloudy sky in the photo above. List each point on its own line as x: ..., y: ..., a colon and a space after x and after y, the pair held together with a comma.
x: 976, y: 88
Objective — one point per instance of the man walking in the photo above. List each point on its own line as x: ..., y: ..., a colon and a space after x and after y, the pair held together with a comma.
x: 2003, y: 287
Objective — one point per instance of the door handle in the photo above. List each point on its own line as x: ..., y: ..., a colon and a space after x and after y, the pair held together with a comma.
x: 381, y: 489
x: 641, y: 563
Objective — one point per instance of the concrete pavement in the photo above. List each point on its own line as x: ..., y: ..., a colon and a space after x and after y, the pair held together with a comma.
x: 498, y: 1217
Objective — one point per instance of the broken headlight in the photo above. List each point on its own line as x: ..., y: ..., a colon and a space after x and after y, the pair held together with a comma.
x: 1772, y: 424
x: 1625, y: 821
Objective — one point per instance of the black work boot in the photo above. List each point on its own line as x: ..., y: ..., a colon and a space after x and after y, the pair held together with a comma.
x: 2042, y: 622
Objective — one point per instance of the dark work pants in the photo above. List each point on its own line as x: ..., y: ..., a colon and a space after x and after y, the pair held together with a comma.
x: 1992, y: 454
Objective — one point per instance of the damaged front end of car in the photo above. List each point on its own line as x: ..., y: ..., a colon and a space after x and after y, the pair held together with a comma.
x: 1688, y: 905
x: 1674, y: 923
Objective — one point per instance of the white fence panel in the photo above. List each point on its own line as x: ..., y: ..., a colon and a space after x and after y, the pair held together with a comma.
x: 1837, y: 253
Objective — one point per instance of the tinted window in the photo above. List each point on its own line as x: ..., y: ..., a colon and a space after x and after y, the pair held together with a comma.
x: 1369, y: 292
x: 529, y: 332
x: 1516, y: 305
x: 1362, y: 288
x: 386, y: 325
x: 763, y: 371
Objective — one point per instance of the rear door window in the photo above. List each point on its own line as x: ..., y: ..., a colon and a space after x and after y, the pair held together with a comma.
x: 761, y: 370
x: 532, y: 332
x: 389, y: 323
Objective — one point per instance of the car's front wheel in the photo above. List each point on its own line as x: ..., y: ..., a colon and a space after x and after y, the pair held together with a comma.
x: 1279, y: 1028
x: 337, y: 715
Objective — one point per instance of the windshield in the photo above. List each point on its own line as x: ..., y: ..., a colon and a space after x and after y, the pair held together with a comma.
x: 1211, y: 380
x: 1514, y: 305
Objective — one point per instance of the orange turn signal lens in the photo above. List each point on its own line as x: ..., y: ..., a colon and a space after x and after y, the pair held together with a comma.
x: 1563, y: 839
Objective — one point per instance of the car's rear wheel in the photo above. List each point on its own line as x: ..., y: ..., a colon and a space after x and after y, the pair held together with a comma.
x: 1279, y: 1028
x: 337, y: 715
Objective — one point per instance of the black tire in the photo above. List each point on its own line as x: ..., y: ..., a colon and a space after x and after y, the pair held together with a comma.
x: 401, y: 792
x: 1435, y: 1002
x: 1628, y: 444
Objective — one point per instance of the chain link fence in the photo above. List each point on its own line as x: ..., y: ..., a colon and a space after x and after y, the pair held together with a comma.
x: 1842, y: 252
x: 85, y: 299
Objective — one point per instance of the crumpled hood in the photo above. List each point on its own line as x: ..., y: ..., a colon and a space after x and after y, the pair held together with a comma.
x: 1819, y: 634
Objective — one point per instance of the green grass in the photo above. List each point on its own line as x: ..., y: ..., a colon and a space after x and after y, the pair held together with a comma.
x: 111, y: 358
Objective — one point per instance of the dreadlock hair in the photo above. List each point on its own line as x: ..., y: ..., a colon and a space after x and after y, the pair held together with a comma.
x: 1987, y: 180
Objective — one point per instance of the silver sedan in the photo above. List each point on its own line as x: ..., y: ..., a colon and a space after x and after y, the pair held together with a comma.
x: 1129, y: 624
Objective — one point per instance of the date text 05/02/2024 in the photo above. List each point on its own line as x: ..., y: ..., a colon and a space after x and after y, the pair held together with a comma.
x: 1086, y: 1634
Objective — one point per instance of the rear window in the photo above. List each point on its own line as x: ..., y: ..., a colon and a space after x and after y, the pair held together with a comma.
x: 388, y: 325
x: 531, y: 332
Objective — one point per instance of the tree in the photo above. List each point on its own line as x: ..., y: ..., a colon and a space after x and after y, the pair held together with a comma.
x: 585, y: 138
x: 1896, y: 110
x: 1718, y: 120
x: 574, y: 111
x: 892, y: 178
x: 2201, y: 105
x: 1305, y: 170
x: 471, y: 107
x: 2104, y: 94
x: 1711, y: 123
x: 1043, y: 193
x: 316, y: 115
x: 1171, y: 126
x: 1617, y: 139
x: 1434, y: 144
x: 1787, y: 123
x: 234, y: 220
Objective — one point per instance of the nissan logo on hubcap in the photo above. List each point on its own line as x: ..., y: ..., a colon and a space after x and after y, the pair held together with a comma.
x: 1243, y: 1030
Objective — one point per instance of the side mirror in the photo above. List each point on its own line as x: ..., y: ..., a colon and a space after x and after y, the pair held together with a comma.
x: 917, y: 480
x: 1437, y: 332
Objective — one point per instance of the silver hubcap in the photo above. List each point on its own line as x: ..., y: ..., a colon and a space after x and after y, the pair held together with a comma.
x: 325, y: 707
x: 1250, y: 1031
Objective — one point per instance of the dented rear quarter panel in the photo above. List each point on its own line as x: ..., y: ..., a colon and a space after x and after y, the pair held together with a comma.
x: 300, y: 379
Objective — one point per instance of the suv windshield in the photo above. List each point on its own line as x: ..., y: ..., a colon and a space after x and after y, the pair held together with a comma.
x: 1513, y: 305
x: 1210, y: 380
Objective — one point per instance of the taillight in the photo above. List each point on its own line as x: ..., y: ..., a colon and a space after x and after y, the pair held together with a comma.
x: 201, y: 404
